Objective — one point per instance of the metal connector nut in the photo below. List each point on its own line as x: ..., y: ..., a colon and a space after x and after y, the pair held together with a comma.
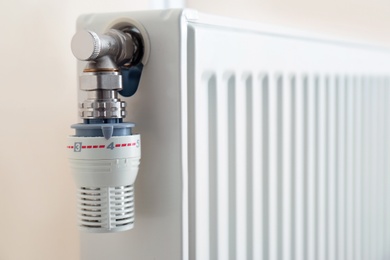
x: 101, y: 81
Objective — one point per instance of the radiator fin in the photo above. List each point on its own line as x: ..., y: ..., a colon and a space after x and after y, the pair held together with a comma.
x: 291, y: 166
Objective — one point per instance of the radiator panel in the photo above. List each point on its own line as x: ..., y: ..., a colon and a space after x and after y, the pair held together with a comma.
x: 290, y: 139
x: 258, y: 143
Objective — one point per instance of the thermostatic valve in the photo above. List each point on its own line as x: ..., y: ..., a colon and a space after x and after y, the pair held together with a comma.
x: 104, y: 154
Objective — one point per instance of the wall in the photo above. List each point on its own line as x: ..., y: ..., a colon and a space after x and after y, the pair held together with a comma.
x: 38, y: 103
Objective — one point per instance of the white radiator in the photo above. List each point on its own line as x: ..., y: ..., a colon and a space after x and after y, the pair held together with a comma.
x: 258, y: 143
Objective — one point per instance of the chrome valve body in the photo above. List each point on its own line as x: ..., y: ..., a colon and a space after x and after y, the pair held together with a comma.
x: 101, y: 77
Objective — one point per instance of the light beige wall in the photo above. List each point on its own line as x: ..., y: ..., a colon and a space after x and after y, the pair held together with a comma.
x: 37, y: 106
x: 368, y: 20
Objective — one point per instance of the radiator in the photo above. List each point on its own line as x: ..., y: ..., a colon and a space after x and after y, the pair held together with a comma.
x: 258, y: 142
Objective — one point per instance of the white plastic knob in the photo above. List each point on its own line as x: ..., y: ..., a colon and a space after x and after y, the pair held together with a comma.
x: 105, y: 171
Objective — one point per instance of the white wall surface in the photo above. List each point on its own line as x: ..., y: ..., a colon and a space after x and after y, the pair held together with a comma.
x: 38, y: 102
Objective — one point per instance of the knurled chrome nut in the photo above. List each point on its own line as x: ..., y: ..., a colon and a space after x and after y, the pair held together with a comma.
x: 102, y: 114
x: 100, y: 81
x: 102, y: 109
